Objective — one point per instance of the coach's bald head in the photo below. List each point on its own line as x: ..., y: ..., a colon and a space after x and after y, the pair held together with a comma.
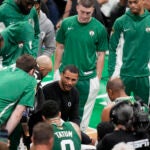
x: 45, y: 64
x: 115, y: 88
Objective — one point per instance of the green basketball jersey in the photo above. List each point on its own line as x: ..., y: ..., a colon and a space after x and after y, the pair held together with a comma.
x: 81, y: 42
x: 10, y: 14
x: 17, y: 87
x: 65, y: 137
x: 136, y: 31
x: 18, y: 39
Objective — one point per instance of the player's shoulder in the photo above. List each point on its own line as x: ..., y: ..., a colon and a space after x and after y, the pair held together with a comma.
x: 69, y: 20
x: 76, y: 128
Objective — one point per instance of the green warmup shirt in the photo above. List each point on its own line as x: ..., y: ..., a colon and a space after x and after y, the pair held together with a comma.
x: 16, y: 88
x: 17, y: 41
x: 10, y: 13
x: 65, y: 137
x: 81, y: 42
x: 136, y: 48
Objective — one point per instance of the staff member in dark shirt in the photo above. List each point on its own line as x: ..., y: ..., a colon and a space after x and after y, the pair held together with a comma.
x: 65, y: 94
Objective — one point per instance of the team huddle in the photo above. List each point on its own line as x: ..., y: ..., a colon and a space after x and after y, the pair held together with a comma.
x: 56, y: 116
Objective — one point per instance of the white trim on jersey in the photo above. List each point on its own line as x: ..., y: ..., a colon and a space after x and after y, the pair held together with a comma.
x: 89, y: 105
x: 119, y: 53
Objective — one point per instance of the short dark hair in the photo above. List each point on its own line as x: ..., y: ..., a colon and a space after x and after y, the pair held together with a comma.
x: 42, y: 132
x: 71, y: 68
x: 50, y: 109
x: 115, y: 84
x: 26, y: 62
x: 87, y: 3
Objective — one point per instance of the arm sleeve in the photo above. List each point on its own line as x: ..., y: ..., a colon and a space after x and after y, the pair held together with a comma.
x: 114, y: 41
x: 49, y: 41
x: 60, y: 35
x: 27, y: 99
x: 36, y: 34
x: 102, y: 44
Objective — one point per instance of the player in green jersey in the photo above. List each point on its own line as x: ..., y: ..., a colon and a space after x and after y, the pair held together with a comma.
x: 17, y: 88
x: 42, y: 137
x: 134, y: 26
x: 17, y: 91
x: 13, y: 11
x: 17, y: 40
x: 66, y: 134
x: 82, y: 41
